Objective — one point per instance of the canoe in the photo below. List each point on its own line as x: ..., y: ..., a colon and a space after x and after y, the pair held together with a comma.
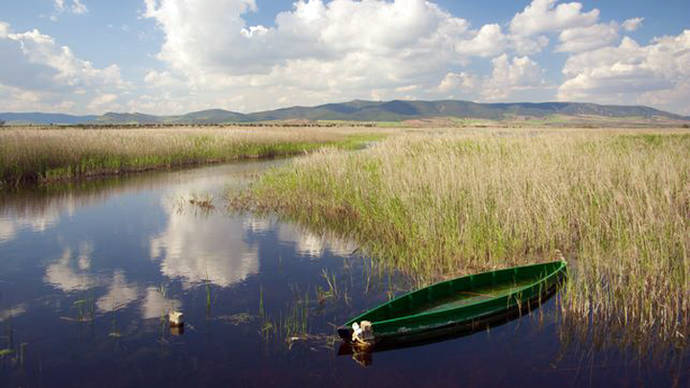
x: 455, y: 302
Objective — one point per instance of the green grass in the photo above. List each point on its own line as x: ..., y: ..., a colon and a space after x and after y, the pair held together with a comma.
x: 29, y: 155
x: 617, y: 205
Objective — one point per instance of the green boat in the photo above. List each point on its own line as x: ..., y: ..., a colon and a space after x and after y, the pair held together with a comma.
x: 455, y: 303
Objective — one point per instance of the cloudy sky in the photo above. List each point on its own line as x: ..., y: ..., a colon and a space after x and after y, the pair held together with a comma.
x: 176, y: 56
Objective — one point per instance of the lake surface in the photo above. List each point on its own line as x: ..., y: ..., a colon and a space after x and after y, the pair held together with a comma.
x: 87, y: 271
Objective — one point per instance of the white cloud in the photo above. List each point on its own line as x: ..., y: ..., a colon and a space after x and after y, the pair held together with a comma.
x: 458, y: 82
x: 580, y: 39
x: 629, y: 73
x: 77, y: 7
x: 487, y: 42
x: 510, y: 76
x: 543, y: 16
x: 102, y: 100
x: 317, y: 52
x: 321, y: 51
x: 39, y: 73
x: 632, y: 24
x: 41, y: 49
x: 4, y: 30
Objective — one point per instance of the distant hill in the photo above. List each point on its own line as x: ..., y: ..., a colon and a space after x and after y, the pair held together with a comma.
x: 211, y: 116
x: 404, y: 110
x: 360, y: 110
x: 44, y: 118
x: 128, y: 118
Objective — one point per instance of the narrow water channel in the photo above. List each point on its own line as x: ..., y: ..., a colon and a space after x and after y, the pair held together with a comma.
x: 87, y: 271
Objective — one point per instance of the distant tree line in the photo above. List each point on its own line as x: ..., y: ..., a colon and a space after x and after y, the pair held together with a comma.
x: 168, y: 125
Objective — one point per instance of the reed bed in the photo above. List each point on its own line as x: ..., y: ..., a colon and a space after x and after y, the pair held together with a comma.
x: 616, y: 205
x: 42, y: 155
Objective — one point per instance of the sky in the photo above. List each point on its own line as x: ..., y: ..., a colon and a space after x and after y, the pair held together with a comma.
x: 178, y: 56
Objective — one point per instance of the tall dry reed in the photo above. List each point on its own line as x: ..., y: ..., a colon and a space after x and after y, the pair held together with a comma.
x: 436, y: 206
x: 31, y: 155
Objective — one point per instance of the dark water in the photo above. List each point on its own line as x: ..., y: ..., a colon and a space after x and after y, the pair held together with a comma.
x: 87, y: 272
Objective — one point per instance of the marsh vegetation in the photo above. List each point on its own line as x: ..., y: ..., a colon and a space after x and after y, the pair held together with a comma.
x: 42, y: 155
x: 616, y: 204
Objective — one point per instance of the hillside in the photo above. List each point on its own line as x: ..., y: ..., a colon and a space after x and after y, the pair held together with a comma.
x: 359, y: 110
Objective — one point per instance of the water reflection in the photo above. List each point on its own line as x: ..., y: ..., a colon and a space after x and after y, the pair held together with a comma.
x: 68, y: 273
x: 11, y: 226
x: 119, y: 295
x: 156, y: 304
x: 257, y: 225
x: 12, y: 312
x: 83, y: 252
x: 202, y: 247
x: 310, y: 244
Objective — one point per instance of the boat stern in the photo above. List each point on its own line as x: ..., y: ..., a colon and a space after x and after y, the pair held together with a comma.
x: 345, y: 332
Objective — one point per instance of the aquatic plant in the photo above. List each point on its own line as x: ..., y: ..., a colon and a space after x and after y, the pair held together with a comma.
x: 86, y: 308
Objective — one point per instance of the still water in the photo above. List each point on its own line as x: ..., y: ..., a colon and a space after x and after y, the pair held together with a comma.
x: 87, y: 272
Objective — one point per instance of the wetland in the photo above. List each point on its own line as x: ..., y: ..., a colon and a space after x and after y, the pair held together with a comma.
x: 266, y: 258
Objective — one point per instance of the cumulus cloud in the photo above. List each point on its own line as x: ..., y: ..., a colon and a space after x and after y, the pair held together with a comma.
x: 631, y: 73
x: 458, y: 81
x: 580, y: 39
x: 487, y: 42
x: 632, y: 24
x: 318, y: 51
x: 511, y: 75
x: 76, y: 7
x: 543, y: 16
x: 4, y: 30
x: 508, y: 77
x: 37, y: 72
x: 102, y: 100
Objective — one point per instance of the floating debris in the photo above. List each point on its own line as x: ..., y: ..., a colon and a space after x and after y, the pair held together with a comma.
x: 362, y: 333
x: 176, y: 318
x: 177, y: 330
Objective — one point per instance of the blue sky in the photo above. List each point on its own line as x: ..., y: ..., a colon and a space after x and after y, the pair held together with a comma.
x: 169, y: 57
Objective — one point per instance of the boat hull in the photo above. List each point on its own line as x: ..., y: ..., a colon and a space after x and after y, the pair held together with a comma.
x: 460, y: 304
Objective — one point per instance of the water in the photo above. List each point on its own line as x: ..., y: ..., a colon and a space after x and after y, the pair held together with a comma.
x: 88, y: 270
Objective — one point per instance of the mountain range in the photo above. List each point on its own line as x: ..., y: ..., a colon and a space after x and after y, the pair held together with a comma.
x: 360, y: 110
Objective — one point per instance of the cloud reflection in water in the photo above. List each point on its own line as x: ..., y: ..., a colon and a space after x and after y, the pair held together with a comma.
x: 203, y: 247
x: 68, y: 277
x: 119, y: 295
